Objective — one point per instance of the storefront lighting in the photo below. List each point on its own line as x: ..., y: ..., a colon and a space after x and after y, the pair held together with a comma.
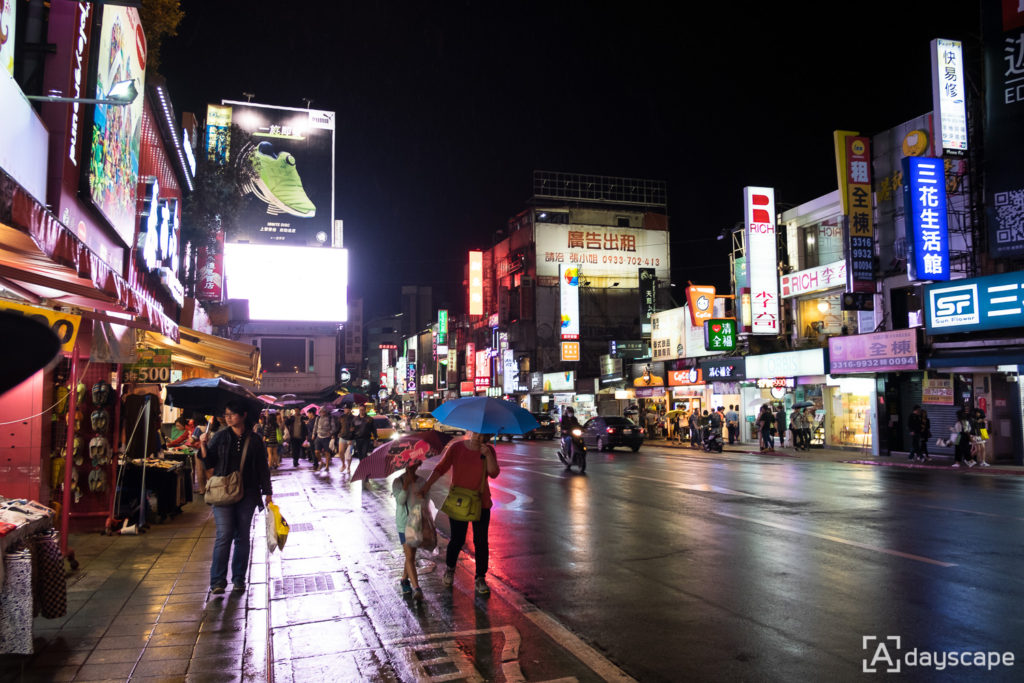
x: 823, y: 306
x: 120, y: 94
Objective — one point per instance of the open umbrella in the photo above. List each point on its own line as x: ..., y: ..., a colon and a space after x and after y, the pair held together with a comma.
x: 26, y: 346
x: 380, y: 463
x: 674, y: 414
x: 485, y: 415
x: 803, y: 404
x: 351, y: 399
x: 268, y: 399
x: 208, y: 395
x: 311, y: 406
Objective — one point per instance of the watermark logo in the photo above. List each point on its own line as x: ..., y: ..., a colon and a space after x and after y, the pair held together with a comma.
x: 885, y: 654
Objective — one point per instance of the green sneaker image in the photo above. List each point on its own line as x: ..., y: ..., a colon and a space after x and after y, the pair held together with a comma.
x: 278, y: 184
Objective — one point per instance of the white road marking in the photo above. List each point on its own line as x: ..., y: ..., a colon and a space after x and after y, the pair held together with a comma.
x: 836, y: 539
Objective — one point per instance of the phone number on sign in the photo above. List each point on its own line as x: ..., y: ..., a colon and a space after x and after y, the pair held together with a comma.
x: 630, y: 260
x: 910, y: 362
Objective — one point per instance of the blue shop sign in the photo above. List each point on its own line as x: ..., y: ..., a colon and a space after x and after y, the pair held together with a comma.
x: 993, y: 302
x: 924, y: 199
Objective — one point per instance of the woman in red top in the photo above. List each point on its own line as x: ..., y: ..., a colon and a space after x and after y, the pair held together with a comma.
x: 469, y: 459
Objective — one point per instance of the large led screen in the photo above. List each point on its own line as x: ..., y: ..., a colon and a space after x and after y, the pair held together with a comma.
x: 117, y: 129
x: 290, y: 199
x: 315, y: 289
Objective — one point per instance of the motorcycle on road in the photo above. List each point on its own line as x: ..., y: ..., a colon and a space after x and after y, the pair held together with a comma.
x: 712, y: 441
x: 573, y: 451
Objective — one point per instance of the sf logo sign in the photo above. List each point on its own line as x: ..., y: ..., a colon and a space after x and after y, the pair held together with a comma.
x: 884, y: 655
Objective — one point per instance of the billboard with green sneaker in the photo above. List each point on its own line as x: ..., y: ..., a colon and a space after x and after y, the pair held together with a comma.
x: 291, y: 194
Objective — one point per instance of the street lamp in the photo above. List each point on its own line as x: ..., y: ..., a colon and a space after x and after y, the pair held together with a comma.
x: 120, y: 94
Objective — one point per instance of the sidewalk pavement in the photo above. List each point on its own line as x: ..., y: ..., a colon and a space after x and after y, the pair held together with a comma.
x: 856, y: 456
x: 328, y: 607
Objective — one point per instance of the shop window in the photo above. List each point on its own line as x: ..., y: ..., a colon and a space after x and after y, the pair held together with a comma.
x: 281, y: 354
x: 821, y: 243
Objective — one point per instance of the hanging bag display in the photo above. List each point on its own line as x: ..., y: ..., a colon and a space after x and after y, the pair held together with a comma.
x: 227, y: 489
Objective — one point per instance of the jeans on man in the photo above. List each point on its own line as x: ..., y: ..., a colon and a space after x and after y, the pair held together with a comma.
x: 296, y: 446
x: 233, y: 524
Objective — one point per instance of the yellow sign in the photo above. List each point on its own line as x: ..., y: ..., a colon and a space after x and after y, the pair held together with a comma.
x: 571, y: 351
x: 64, y: 325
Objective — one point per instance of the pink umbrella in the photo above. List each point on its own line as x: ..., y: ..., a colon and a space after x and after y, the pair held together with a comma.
x: 311, y: 406
x: 382, y: 462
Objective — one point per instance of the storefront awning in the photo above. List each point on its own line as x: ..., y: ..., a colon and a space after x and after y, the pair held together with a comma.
x: 975, y: 358
x: 40, y: 258
x: 230, y: 359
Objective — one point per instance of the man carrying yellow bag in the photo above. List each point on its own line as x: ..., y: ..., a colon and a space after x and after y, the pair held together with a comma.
x: 277, y: 528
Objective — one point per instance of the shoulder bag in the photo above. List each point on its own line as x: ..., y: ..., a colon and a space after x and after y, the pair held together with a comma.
x: 227, y: 489
x: 464, y: 505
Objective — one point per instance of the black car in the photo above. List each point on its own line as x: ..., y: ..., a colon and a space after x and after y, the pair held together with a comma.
x: 605, y: 433
x: 547, y: 429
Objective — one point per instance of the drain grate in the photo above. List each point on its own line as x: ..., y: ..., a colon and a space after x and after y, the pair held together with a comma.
x: 298, y: 585
x: 301, y: 526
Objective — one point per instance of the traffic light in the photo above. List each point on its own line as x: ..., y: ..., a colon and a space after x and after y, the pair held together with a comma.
x: 858, y: 301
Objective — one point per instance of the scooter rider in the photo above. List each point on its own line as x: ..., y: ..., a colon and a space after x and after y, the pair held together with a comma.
x: 568, y: 423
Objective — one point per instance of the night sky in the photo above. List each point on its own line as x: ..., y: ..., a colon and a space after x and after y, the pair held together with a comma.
x: 445, y: 109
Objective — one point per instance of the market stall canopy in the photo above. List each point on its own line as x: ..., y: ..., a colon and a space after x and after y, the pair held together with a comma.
x: 234, y: 360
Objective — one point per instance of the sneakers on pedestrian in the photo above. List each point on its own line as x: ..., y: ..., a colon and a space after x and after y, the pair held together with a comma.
x: 449, y: 576
x: 406, y: 586
x: 984, y: 464
x: 956, y: 464
x: 238, y: 588
x: 971, y: 463
x: 481, y: 586
x: 277, y: 182
x: 217, y: 590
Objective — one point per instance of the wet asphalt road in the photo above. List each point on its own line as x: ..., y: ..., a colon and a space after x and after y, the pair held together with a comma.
x: 685, y: 566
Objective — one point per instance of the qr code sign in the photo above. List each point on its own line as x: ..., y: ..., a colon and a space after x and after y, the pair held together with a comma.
x: 1010, y: 216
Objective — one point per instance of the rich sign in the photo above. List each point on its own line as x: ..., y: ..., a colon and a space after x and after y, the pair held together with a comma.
x: 983, y: 303
x: 924, y: 199
x: 720, y: 334
x: 762, y: 269
x: 814, y: 279
x: 878, y: 352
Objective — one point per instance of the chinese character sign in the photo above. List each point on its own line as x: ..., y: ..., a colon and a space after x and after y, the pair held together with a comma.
x: 601, y: 251
x: 1002, y: 30
x: 647, y: 294
x: 949, y: 96
x: 569, y: 295
x: 924, y: 199
x: 853, y: 160
x: 878, y: 352
x: 762, y: 265
x: 720, y: 334
x: 476, y: 283
x: 983, y: 303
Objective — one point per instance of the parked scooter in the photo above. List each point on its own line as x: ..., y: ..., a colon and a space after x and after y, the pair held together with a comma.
x: 573, y: 451
x: 712, y: 440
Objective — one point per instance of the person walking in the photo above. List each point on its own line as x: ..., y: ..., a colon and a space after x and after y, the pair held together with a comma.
x: 780, y: 424
x: 764, y: 423
x: 270, y: 438
x: 914, y: 427
x: 732, y: 423
x: 345, y: 436
x: 364, y: 431
x: 926, y: 433
x: 796, y: 422
x: 695, y: 428
x: 406, y: 490
x: 962, y: 440
x: 473, y: 462
x: 222, y: 455
x: 296, y: 428
x: 324, y: 428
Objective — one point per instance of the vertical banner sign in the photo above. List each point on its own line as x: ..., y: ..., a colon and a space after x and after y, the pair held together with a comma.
x: 853, y: 162
x: 762, y: 268
x: 210, y: 270
x: 1002, y: 30
x: 949, y: 97
x: 702, y: 303
x: 470, y: 360
x: 218, y: 133
x: 510, y: 371
x: 476, y: 283
x: 646, y: 277
x: 569, y: 292
x: 8, y: 16
x: 924, y: 200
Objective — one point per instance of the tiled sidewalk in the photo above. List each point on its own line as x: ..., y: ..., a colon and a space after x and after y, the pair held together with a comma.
x: 139, y: 609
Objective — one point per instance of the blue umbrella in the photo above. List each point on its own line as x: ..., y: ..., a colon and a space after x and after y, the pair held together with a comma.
x: 485, y: 415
